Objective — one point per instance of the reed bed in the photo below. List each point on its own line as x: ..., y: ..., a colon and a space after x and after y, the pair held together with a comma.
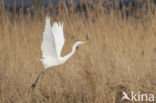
x: 121, y: 55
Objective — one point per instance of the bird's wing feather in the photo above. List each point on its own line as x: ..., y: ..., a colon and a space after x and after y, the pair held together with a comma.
x: 57, y: 31
x: 48, y: 45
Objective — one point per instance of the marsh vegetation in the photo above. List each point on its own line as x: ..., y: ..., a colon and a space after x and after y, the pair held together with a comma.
x: 121, y: 56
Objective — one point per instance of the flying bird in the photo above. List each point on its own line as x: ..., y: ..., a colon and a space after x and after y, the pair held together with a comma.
x: 51, y: 47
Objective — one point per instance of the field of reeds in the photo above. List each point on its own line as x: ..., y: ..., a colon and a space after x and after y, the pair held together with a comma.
x: 121, y: 56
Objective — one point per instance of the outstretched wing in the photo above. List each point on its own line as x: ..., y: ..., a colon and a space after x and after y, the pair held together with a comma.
x: 57, y: 31
x: 48, y: 45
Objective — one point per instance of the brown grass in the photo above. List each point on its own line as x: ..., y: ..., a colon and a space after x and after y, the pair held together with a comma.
x: 121, y: 55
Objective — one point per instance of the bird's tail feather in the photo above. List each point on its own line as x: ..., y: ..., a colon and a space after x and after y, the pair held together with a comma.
x: 45, y: 63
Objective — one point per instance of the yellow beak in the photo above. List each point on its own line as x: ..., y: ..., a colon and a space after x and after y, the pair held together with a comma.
x: 86, y: 42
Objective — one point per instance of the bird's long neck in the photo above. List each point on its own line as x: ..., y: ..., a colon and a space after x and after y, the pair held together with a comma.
x: 71, y: 53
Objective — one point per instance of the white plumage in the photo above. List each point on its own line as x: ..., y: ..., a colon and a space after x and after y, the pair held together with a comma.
x: 52, y: 44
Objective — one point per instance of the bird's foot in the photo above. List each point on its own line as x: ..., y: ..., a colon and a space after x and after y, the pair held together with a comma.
x: 33, y: 85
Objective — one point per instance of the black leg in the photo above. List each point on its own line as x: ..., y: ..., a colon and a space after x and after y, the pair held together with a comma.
x: 36, y: 81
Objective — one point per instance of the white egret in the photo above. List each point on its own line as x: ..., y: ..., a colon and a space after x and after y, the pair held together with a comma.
x: 51, y: 47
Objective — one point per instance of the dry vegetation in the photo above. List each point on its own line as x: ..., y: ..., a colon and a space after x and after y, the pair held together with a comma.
x: 121, y: 56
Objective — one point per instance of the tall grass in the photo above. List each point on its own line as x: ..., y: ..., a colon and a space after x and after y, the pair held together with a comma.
x: 120, y: 56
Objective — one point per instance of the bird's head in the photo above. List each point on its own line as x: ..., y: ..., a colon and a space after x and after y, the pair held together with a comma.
x: 79, y: 43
